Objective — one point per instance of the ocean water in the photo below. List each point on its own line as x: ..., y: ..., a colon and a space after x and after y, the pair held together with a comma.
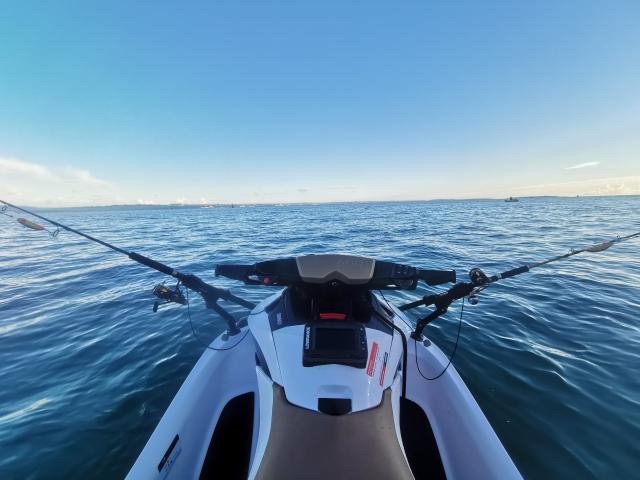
x: 552, y: 357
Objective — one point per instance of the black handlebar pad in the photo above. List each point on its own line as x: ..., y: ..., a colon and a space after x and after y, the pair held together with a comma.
x: 437, y: 277
x: 235, y: 272
x: 279, y: 272
x: 284, y: 271
x: 406, y: 276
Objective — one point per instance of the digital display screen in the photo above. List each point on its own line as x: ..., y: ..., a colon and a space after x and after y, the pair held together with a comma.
x: 335, y: 339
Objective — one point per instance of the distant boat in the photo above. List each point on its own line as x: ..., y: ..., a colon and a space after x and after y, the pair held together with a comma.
x: 511, y: 199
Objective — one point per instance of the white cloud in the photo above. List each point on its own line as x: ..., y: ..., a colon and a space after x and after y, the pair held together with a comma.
x: 15, y: 167
x: 37, y: 184
x: 83, y: 176
x: 582, y: 165
x: 10, y: 166
x: 20, y: 168
x: 629, y: 185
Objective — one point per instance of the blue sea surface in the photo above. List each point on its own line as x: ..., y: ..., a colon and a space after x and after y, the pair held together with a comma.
x: 552, y: 357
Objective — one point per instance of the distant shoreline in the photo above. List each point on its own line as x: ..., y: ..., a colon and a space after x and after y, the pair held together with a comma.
x: 289, y: 204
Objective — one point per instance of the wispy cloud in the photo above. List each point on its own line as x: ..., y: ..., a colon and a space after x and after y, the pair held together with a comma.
x: 582, y: 165
x: 37, y: 184
x: 10, y: 166
x: 83, y: 176
x: 26, y: 170
x: 629, y: 185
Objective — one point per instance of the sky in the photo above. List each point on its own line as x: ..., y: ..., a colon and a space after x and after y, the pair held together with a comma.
x: 267, y: 102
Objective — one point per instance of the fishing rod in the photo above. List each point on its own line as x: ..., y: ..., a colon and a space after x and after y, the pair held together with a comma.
x: 480, y: 281
x: 209, y: 293
x: 441, y: 302
x: 29, y: 224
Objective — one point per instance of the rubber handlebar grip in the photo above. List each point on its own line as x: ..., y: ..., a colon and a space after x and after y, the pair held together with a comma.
x: 437, y: 277
x: 235, y: 272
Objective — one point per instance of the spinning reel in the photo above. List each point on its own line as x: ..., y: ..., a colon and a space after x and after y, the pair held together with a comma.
x: 169, y: 295
x: 481, y: 281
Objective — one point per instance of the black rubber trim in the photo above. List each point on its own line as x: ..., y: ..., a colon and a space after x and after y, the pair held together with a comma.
x: 334, y: 406
x: 229, y: 451
x: 420, y: 444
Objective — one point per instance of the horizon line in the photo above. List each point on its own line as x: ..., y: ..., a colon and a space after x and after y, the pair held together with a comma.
x: 334, y: 202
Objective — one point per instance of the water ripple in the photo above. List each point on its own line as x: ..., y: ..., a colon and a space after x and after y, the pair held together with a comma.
x: 552, y: 357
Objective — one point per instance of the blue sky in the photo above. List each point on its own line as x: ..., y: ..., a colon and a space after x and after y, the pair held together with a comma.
x: 131, y: 102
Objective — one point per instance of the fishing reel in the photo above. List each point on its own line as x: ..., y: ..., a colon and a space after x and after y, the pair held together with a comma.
x: 169, y: 295
x: 480, y: 280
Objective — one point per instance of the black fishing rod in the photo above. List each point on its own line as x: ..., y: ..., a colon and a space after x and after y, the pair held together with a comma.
x: 209, y: 293
x: 28, y: 223
x: 480, y: 281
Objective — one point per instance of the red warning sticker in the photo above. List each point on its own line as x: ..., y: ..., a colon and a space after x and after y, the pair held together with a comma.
x: 384, y: 368
x: 371, y: 366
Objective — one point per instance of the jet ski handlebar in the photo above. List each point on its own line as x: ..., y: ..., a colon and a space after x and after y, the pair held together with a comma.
x: 347, y: 270
x: 319, y: 270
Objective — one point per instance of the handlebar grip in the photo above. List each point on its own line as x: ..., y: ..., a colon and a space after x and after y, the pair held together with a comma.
x: 437, y: 277
x: 235, y: 272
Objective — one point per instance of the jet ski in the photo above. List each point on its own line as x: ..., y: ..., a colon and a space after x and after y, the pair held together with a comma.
x: 325, y: 378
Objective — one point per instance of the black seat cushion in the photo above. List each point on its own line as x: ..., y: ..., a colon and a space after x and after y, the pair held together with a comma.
x: 304, y: 444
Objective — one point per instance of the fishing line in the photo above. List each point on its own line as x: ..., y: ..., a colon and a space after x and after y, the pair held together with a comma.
x: 453, y: 352
x: 28, y: 223
x: 3, y: 211
x: 209, y: 293
x: 455, y: 346
x: 199, y: 340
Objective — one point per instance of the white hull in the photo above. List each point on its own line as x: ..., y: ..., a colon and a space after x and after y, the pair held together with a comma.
x: 177, y: 449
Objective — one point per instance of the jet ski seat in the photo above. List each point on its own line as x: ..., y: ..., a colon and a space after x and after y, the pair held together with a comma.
x: 312, y: 445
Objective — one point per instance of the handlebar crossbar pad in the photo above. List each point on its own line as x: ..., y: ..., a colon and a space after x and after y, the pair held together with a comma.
x: 437, y: 277
x: 235, y: 272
